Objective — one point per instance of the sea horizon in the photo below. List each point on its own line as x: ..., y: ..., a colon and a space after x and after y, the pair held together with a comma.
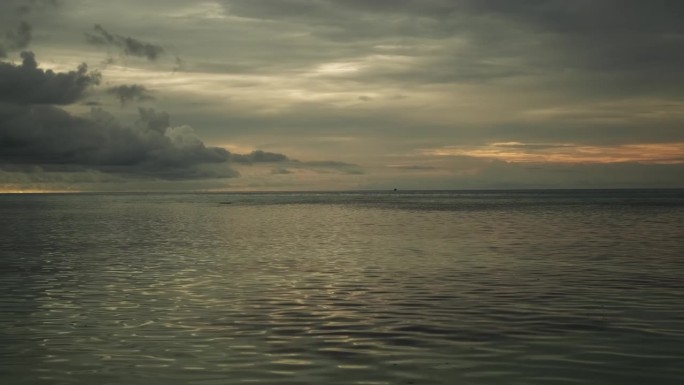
x: 333, y: 191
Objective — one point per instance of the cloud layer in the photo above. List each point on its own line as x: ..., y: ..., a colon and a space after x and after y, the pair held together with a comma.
x: 433, y: 94
x: 34, y: 132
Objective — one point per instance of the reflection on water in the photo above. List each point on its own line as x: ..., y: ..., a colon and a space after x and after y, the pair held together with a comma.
x: 441, y: 288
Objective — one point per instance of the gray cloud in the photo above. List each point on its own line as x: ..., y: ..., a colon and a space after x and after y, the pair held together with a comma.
x: 36, y: 135
x: 39, y: 138
x: 153, y: 120
x: 134, y: 92
x: 346, y: 20
x: 56, y: 141
x: 320, y: 77
x: 52, y: 138
x: 28, y: 84
x: 258, y: 157
x: 25, y: 7
x: 17, y: 34
x: 33, y: 132
x: 18, y: 38
x: 128, y: 45
x: 322, y: 166
x: 626, y: 46
x: 602, y: 35
x: 326, y: 166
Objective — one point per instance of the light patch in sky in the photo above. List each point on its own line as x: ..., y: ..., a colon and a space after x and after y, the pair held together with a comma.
x: 337, y: 68
x: 200, y: 10
x: 655, y: 153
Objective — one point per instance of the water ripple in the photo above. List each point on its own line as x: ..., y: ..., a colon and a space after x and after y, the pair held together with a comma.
x: 182, y: 290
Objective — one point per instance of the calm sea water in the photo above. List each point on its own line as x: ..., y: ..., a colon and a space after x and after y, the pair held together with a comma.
x: 527, y: 287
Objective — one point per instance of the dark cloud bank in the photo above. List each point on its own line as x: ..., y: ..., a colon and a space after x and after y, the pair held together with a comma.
x: 27, y: 84
x: 35, y: 132
x: 39, y: 136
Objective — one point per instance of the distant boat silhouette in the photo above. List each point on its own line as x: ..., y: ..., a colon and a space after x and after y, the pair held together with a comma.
x: 395, y: 189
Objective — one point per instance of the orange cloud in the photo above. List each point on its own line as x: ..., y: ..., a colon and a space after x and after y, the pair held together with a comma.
x: 517, y: 152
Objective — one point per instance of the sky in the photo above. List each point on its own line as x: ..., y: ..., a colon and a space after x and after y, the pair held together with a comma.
x: 251, y: 95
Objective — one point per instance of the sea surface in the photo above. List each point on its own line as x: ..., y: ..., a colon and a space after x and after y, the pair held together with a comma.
x: 450, y: 287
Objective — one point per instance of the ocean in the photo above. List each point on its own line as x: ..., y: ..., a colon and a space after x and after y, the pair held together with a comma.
x: 447, y: 287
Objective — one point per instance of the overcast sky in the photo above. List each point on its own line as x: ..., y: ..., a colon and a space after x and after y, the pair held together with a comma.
x: 340, y: 94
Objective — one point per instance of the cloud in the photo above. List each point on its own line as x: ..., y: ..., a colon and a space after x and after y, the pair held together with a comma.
x: 258, y: 156
x: 38, y: 136
x: 128, y: 45
x: 18, y: 38
x: 153, y: 120
x: 34, y: 132
x: 28, y: 84
x: 25, y: 7
x: 570, y: 153
x: 134, y: 92
x: 626, y: 46
x: 45, y: 135
x: 52, y: 138
x: 18, y: 32
x: 346, y: 20
x: 281, y: 171
x: 522, y: 82
x: 325, y: 166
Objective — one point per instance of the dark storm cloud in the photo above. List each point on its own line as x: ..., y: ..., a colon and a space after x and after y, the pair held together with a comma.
x: 37, y: 135
x: 28, y: 84
x: 128, y: 45
x: 55, y: 141
x: 33, y: 132
x: 47, y: 136
x: 133, y: 92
